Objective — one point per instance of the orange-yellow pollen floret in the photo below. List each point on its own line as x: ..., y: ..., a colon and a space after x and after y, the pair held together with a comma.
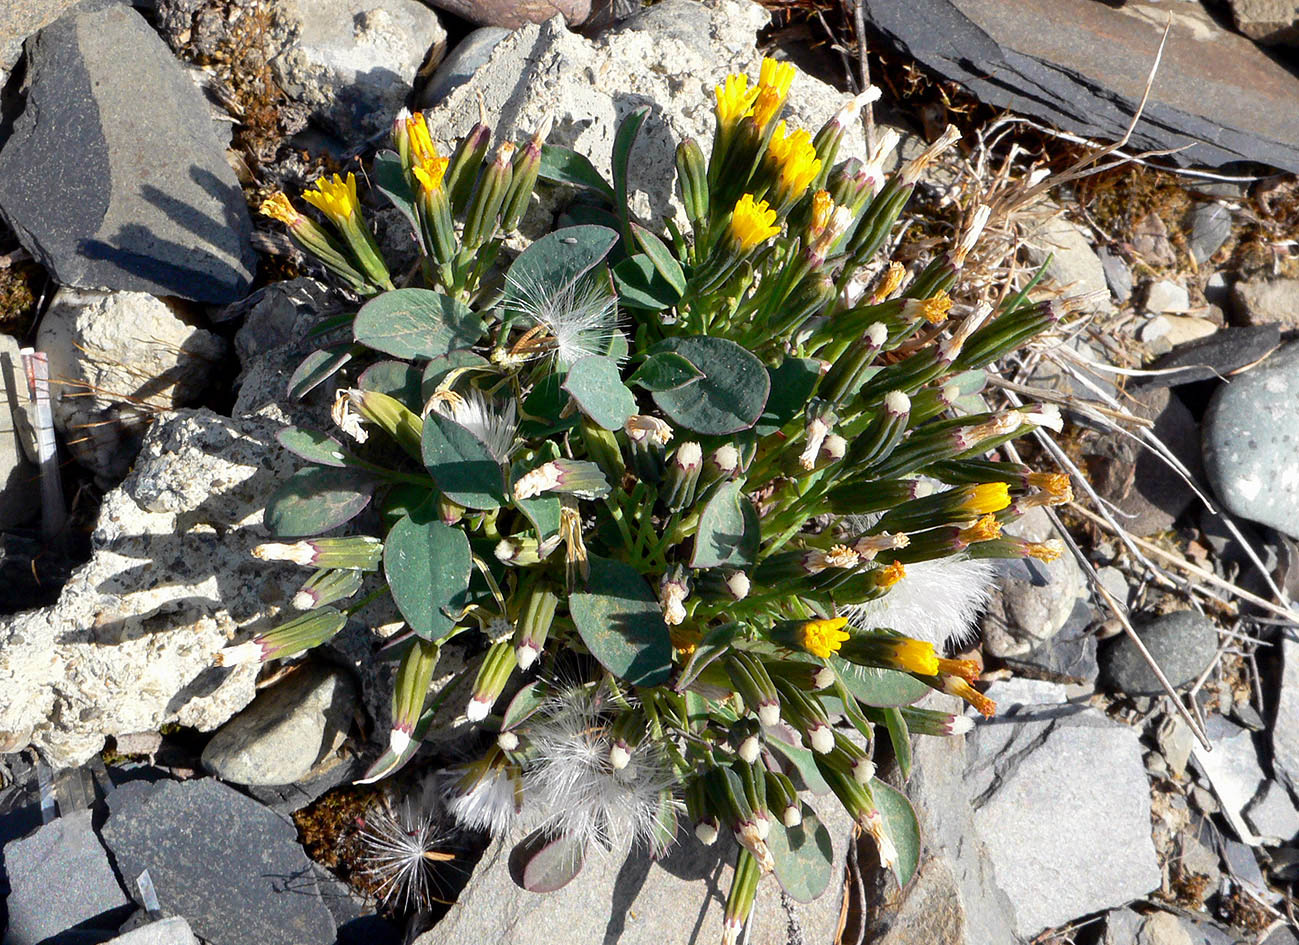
x: 1047, y: 551
x: 985, y: 529
x: 966, y: 669
x: 956, y: 686
x: 889, y: 575
x: 823, y: 637
x: 753, y: 222
x: 889, y: 282
x: 822, y: 207
x: 277, y: 207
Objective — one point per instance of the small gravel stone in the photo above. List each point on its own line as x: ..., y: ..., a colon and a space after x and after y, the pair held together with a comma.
x: 1272, y: 814
x: 1167, y: 296
x: 1183, y: 643
x: 1210, y: 227
x: 1218, y: 354
x: 1266, y: 301
x: 1233, y: 770
x: 1117, y: 274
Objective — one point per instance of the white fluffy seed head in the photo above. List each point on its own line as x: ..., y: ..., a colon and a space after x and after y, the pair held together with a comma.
x: 507, y: 741
x: 937, y: 601
x: 580, y: 320
x: 737, y: 582
x: 619, y: 757
x: 477, y: 710
x: 489, y: 803
x: 962, y: 724
x: 400, y: 853
x: 897, y: 403
x: 877, y: 334
x: 769, y: 714
x: 749, y: 749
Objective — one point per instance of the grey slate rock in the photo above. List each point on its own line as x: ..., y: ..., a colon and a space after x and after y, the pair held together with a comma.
x: 1183, y: 643
x: 1250, y: 441
x: 462, y: 62
x: 1266, y: 301
x: 60, y: 878
x: 170, y: 931
x: 1272, y: 814
x: 19, y: 483
x: 1118, y: 276
x: 1285, y: 734
x: 1210, y: 227
x: 1219, y: 354
x: 1047, y: 819
x: 1069, y: 656
x: 113, y: 176
x: 1233, y: 770
x: 232, y: 868
x: 1083, y: 66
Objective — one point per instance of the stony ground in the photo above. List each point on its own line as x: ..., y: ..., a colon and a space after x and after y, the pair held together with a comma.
x: 143, y: 782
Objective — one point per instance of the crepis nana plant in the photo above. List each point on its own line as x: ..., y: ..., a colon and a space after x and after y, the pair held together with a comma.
x: 667, y: 487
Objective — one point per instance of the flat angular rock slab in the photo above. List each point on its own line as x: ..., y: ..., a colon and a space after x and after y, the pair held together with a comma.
x: 60, y: 878
x: 1046, y: 816
x: 639, y: 901
x: 1083, y: 65
x: 113, y: 176
x: 230, y: 867
x: 1251, y: 435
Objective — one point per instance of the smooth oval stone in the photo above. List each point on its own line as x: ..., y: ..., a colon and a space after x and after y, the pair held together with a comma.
x: 1183, y: 644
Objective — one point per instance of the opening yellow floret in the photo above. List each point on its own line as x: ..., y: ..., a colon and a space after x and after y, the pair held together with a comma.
x: 753, y: 222
x: 987, y: 497
x: 334, y: 198
x: 822, y: 207
x: 985, y: 529
x: 427, y: 165
x: 823, y: 637
x: 734, y: 99
x: 914, y: 656
x: 889, y: 575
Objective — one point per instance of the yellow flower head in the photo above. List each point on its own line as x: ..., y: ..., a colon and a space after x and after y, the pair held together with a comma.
x: 335, y: 198
x: 752, y: 222
x: 427, y: 165
x: 822, y: 207
x: 933, y: 310
x: 766, y: 106
x: 987, y: 497
x: 1055, y: 485
x: 956, y: 686
x: 1047, y: 551
x: 985, y: 529
x: 277, y: 207
x: 734, y: 99
x: 796, y: 157
x: 823, y: 637
x: 913, y: 656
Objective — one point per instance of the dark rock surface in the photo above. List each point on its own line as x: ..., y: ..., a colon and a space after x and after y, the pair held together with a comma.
x: 1083, y: 66
x: 231, y: 867
x: 113, y: 176
x: 1069, y: 656
x: 1183, y: 643
x: 60, y: 878
x: 1219, y: 354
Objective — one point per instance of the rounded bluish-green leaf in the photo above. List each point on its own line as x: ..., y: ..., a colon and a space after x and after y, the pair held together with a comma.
x: 640, y: 285
x: 543, y: 861
x: 665, y: 371
x: 428, y: 565
x: 556, y: 262
x: 319, y: 448
x: 802, y: 760
x: 400, y: 380
x: 461, y: 464
x: 902, y: 827
x: 791, y: 386
x: 804, y: 857
x: 524, y: 704
x: 316, y: 499
x: 729, y: 397
x: 318, y: 367
x: 728, y: 531
x: 389, y: 176
x: 879, y: 687
x: 416, y: 323
x: 599, y: 392
x: 619, y: 620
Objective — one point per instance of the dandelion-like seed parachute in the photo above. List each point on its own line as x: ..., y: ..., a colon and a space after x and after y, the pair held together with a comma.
x: 575, y: 322
x: 402, y: 854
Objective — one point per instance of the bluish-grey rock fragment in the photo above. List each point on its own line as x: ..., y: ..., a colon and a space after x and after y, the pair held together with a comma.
x: 1183, y: 643
x: 113, y: 176
x: 460, y: 65
x: 231, y: 867
x: 59, y: 877
x: 1251, y: 442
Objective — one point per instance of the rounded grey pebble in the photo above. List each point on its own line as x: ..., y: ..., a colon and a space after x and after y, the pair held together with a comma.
x: 1183, y: 644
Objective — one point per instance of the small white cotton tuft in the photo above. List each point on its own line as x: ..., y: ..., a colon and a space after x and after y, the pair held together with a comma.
x: 938, y: 601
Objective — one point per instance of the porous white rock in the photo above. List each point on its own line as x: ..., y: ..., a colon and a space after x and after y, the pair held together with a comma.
x: 116, y: 359
x: 129, y: 645
x: 589, y: 85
